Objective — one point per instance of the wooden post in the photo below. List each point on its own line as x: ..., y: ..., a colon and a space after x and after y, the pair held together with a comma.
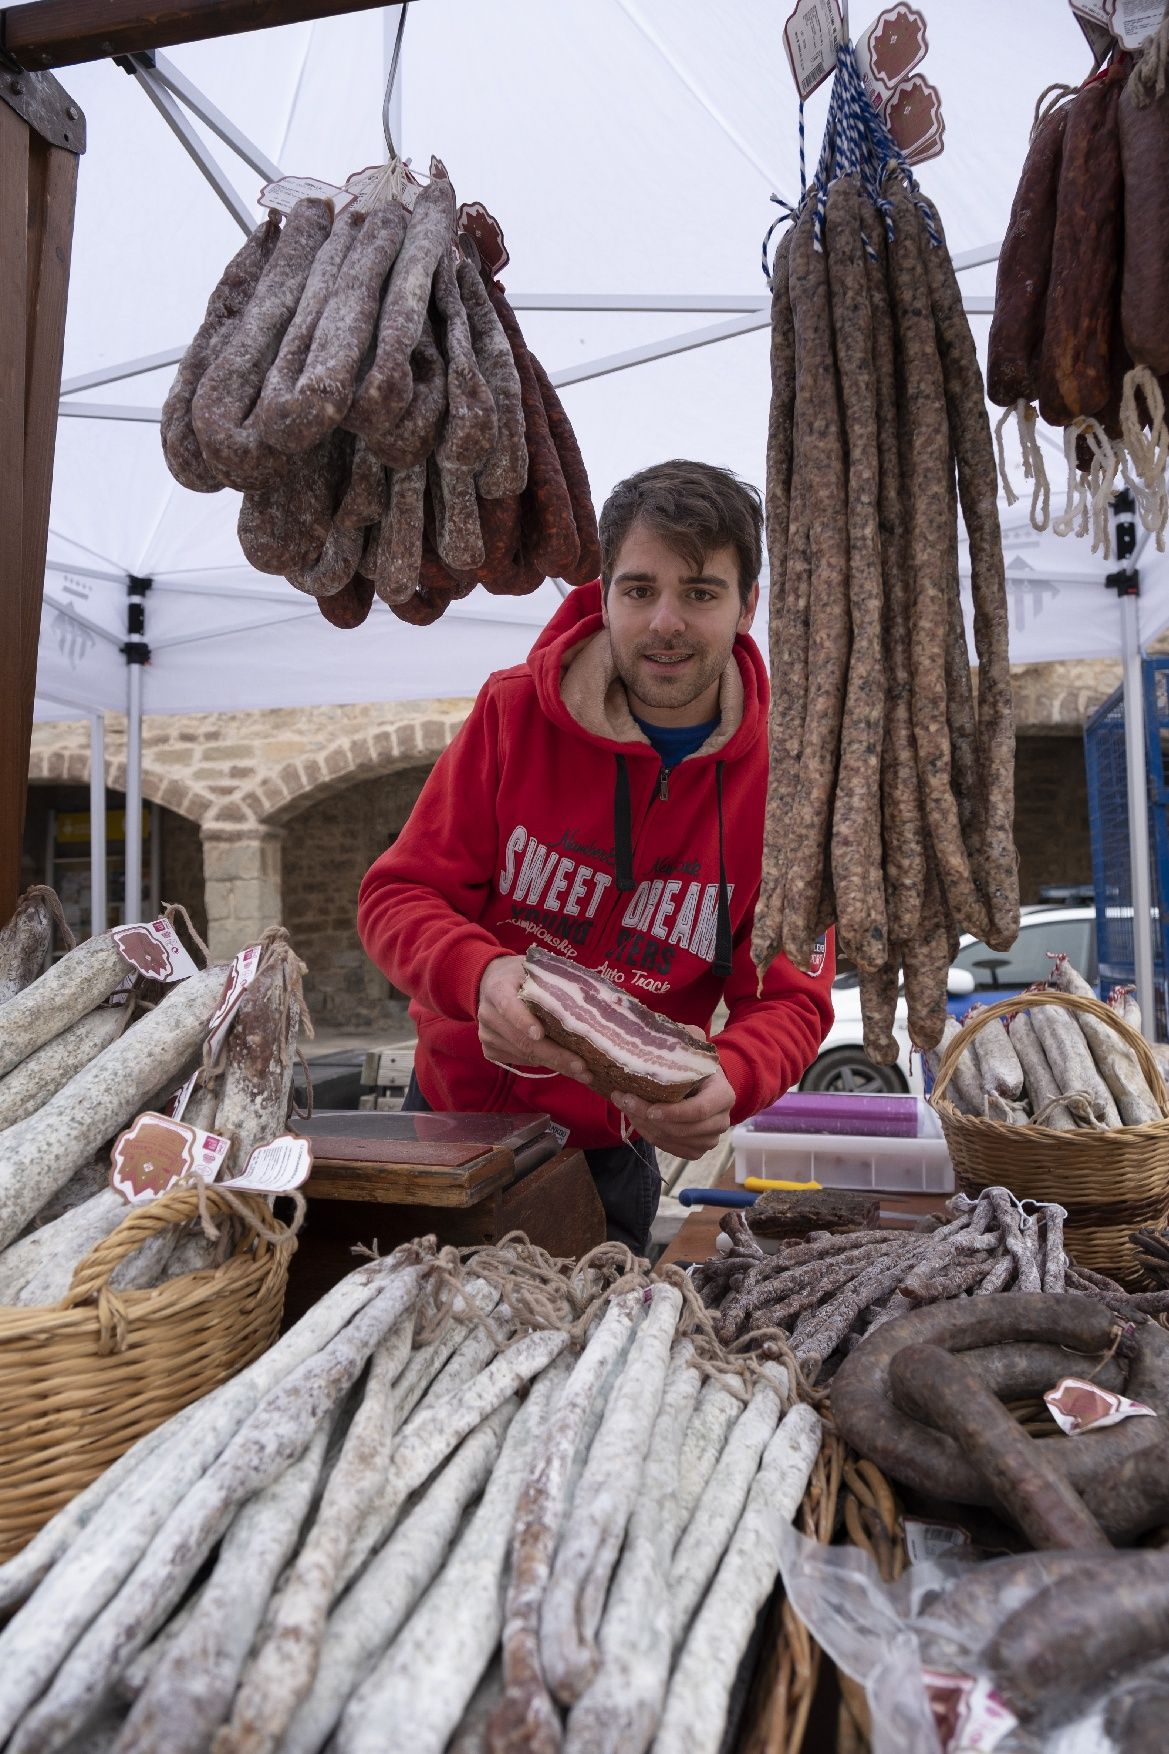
x: 41, y: 133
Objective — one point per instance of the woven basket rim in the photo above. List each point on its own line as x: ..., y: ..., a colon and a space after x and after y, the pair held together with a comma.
x: 255, y: 1256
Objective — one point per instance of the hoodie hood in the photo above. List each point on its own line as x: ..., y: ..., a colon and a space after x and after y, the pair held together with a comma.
x: 580, y: 691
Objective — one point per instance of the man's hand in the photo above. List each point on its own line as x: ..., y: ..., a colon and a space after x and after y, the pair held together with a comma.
x: 688, y: 1128
x: 512, y: 1035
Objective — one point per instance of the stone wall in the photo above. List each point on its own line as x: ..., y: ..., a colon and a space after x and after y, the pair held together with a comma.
x: 241, y: 776
x: 327, y: 850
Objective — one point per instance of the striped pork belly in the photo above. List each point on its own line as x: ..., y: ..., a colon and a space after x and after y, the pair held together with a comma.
x: 625, y: 1045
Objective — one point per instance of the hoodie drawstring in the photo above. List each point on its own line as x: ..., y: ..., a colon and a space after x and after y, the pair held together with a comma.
x: 623, y: 829
x: 723, y: 942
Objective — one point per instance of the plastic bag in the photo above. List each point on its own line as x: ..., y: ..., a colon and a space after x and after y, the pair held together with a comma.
x: 915, y: 1646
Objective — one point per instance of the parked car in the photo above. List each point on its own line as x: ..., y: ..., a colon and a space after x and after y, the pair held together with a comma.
x: 978, y: 975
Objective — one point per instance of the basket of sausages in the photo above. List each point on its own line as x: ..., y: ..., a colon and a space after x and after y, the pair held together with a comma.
x: 1057, y: 1097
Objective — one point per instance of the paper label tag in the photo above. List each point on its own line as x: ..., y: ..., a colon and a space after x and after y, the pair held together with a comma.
x: 559, y: 1133
x: 894, y: 44
x: 1134, y: 20
x: 811, y: 37
x: 177, y: 1106
x: 914, y: 118
x: 283, y: 194
x: 1076, y: 1405
x: 240, y: 976
x: 121, y: 993
x: 969, y: 1716
x: 154, y: 949
x: 486, y: 233
x: 150, y: 1156
x: 1097, y: 12
x: 928, y: 1540
x: 283, y: 1163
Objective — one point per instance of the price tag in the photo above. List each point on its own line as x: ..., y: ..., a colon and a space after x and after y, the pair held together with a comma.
x: 1135, y: 20
x: 914, y: 118
x: 811, y: 37
x: 154, y: 1153
x: 894, y: 44
x: 282, y: 1164
x: 155, y: 950
x: 240, y: 976
x: 177, y: 1106
x: 486, y: 233
x: 561, y: 1136
x: 283, y: 194
x: 929, y: 1540
x: 1076, y: 1405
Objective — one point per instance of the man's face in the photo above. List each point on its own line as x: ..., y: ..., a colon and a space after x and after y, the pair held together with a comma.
x: 671, y: 629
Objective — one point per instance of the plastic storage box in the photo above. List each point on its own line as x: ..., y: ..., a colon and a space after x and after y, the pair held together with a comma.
x: 893, y: 1166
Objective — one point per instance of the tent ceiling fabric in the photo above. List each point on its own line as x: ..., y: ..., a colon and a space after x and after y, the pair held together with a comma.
x: 627, y: 146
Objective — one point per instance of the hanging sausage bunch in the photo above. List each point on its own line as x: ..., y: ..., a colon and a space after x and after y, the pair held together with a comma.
x: 1081, y: 321
x: 891, y: 795
x: 362, y: 379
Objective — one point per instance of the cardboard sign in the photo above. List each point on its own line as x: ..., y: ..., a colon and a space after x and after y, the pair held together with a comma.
x: 889, y: 51
x: 155, y: 950
x: 240, y: 976
x: 811, y: 36
x: 284, y: 1163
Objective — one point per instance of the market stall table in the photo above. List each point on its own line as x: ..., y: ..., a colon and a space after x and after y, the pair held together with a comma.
x: 696, y: 1238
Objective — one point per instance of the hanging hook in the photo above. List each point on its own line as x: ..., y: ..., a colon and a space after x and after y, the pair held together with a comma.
x: 390, y: 147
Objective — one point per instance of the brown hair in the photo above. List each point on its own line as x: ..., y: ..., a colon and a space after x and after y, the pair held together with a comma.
x: 693, y: 507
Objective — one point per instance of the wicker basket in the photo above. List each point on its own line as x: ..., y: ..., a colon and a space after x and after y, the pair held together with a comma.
x: 82, y: 1381
x: 1110, y: 1182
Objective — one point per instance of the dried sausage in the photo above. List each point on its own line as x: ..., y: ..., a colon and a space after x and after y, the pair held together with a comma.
x: 1020, y: 294
x: 224, y: 409
x: 225, y: 307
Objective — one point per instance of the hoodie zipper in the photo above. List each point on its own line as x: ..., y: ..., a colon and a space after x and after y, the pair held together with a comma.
x: 664, y: 785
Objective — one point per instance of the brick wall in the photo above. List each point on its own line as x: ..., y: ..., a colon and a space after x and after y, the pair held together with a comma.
x: 327, y: 850
x: 1051, y: 813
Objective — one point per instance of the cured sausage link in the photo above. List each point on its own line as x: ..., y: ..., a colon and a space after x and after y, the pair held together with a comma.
x: 820, y: 441
x: 225, y: 307
x: 223, y: 409
x: 939, y: 1389
x: 856, y: 816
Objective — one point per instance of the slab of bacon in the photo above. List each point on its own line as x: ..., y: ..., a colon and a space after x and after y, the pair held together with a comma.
x: 625, y: 1045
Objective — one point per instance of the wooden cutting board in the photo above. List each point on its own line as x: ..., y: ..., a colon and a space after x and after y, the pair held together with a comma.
x: 416, y: 1159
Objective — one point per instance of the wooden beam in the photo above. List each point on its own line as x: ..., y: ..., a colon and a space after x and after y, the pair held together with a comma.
x: 14, y: 164
x: 58, y: 33
x: 38, y: 185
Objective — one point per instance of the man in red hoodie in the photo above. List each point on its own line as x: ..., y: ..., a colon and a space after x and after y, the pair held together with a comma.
x: 606, y: 800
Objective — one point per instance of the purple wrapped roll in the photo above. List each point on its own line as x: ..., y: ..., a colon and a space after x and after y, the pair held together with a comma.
x: 871, y: 1117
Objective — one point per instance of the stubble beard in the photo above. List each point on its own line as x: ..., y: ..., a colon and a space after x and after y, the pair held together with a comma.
x: 658, y: 691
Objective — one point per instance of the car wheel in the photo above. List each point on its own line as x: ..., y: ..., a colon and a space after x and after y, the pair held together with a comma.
x: 847, y: 1069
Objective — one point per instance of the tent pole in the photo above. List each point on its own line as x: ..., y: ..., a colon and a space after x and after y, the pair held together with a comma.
x: 137, y: 653
x: 97, y: 824
x: 1138, y: 811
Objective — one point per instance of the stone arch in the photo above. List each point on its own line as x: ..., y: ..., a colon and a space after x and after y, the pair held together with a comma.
x: 71, y: 767
x: 364, y: 755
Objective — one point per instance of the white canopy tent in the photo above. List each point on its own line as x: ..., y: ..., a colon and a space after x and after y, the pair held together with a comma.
x: 629, y: 149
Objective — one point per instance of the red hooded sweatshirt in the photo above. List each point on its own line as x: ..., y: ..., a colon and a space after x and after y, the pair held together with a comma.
x: 551, y: 820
